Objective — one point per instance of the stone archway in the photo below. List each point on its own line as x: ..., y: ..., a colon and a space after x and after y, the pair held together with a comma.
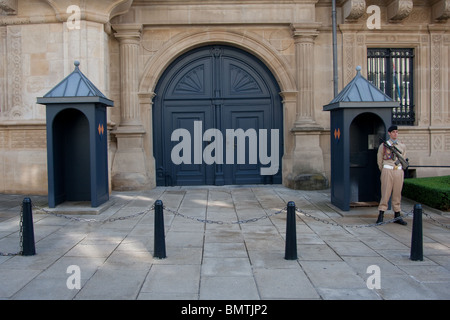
x: 248, y: 42
x: 223, y: 90
x: 254, y: 45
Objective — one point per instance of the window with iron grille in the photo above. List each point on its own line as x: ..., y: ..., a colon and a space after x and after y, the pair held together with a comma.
x: 392, y: 71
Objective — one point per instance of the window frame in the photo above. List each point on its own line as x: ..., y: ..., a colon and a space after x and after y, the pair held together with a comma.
x: 392, y: 71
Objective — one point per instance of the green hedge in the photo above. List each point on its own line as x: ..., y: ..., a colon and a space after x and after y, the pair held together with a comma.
x: 432, y: 191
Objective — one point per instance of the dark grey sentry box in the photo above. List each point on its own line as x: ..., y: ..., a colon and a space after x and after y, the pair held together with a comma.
x: 360, y: 115
x: 77, y: 153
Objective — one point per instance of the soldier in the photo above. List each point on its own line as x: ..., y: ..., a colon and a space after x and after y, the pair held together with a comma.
x: 391, y: 175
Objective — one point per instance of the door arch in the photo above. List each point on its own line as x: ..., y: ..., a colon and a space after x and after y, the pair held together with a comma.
x: 221, y: 88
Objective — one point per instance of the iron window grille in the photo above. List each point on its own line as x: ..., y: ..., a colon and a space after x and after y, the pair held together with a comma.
x: 392, y: 71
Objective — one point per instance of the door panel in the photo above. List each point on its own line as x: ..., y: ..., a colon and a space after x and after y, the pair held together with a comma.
x: 249, y: 118
x: 177, y: 116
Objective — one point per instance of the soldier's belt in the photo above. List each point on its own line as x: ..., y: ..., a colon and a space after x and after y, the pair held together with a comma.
x: 387, y: 166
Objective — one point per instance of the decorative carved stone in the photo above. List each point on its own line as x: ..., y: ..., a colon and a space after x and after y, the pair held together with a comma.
x: 9, y: 6
x: 353, y: 9
x: 436, y: 77
x: 441, y: 10
x: 15, y: 64
x: 398, y: 10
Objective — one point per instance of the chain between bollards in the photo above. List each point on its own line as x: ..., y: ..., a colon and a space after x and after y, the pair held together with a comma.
x: 28, y: 243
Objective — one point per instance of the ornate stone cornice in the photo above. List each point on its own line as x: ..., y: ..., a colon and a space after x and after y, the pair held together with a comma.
x: 101, y: 11
x: 398, y: 10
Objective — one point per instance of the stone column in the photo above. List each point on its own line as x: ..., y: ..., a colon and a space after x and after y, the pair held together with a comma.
x: 129, y: 169
x: 307, y: 165
x: 304, y: 35
x: 129, y: 37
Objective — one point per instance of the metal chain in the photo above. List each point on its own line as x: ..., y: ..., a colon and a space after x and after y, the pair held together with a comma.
x: 438, y: 222
x: 371, y: 224
x: 350, y: 225
x: 4, y: 254
x: 96, y: 220
x: 21, y: 229
x: 176, y: 213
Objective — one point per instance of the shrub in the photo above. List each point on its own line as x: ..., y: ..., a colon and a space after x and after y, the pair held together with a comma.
x: 432, y: 191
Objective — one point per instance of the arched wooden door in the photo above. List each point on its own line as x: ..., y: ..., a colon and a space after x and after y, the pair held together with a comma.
x: 209, y: 94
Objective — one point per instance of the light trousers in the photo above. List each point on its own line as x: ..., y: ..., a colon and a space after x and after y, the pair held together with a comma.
x: 391, y: 185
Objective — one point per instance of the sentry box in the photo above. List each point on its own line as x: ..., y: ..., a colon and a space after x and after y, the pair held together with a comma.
x: 77, y: 154
x: 360, y: 115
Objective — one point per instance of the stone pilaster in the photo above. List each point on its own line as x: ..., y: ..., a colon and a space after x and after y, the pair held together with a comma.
x: 146, y: 107
x: 304, y: 35
x: 129, y: 168
x: 129, y: 37
x: 437, y: 73
x: 307, y: 158
x: 289, y: 100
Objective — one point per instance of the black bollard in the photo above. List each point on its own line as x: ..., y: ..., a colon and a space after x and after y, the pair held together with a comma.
x: 28, y: 247
x: 160, y: 242
x: 417, y: 235
x: 291, y: 233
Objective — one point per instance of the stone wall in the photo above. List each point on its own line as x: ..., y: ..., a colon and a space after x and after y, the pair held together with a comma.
x: 124, y: 46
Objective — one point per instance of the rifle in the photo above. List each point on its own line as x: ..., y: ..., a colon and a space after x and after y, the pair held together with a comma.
x: 397, y: 154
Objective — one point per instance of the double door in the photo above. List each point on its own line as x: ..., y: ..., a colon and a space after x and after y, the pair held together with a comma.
x: 217, y: 120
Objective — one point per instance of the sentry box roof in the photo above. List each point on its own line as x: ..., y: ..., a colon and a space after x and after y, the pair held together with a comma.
x: 75, y: 88
x: 360, y: 93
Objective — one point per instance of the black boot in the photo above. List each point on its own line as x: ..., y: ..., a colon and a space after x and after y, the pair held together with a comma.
x: 400, y: 220
x: 380, y: 217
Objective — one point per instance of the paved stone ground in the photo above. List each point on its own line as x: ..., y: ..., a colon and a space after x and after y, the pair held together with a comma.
x: 223, y: 261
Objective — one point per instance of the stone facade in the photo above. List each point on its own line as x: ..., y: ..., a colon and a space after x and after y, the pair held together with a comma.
x: 124, y: 46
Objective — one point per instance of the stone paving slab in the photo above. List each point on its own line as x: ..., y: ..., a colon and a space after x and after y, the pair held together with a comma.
x: 222, y: 259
